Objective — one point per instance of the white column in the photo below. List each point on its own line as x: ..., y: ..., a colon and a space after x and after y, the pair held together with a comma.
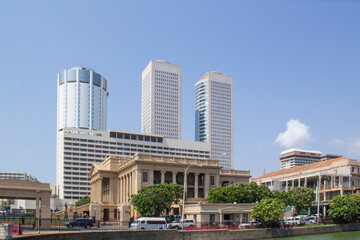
x: 207, y: 184
x: 196, y: 185
x: 163, y: 176
x: 174, y: 177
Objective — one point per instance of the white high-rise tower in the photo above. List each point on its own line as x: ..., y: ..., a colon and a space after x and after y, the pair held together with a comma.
x: 161, y: 99
x: 81, y: 103
x: 214, y: 115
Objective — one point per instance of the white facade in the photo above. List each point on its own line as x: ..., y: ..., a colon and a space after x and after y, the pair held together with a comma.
x: 298, y: 157
x: 80, y: 148
x: 161, y: 99
x: 214, y: 115
x: 18, y: 175
x: 81, y: 103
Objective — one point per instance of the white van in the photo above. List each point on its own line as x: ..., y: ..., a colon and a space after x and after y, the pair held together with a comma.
x: 149, y: 223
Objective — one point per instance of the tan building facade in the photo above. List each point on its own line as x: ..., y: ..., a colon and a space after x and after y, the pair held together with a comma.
x: 331, y: 177
x: 116, y: 179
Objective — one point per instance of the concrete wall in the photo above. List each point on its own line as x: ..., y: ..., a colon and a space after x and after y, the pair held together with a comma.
x: 198, y: 235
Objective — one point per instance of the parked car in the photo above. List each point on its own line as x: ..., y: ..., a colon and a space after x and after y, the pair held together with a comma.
x: 80, y: 222
x: 295, y: 221
x: 311, y: 220
x: 149, y: 223
x: 228, y: 223
x: 180, y: 224
x: 171, y: 218
x: 253, y: 224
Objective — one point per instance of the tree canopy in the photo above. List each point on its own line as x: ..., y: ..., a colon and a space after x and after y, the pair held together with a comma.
x: 240, y: 193
x: 268, y: 210
x: 83, y: 201
x: 344, y: 209
x: 301, y: 198
x: 154, y: 199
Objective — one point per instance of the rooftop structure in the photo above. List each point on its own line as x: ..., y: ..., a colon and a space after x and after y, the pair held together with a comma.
x: 18, y: 175
x: 297, y: 157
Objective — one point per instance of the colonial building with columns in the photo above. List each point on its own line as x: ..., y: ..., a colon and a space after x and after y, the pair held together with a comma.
x: 116, y: 179
x: 333, y: 177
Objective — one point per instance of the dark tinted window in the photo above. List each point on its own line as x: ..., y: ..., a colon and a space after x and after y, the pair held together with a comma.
x: 96, y: 79
x: 71, y: 75
x: 61, y: 78
x: 84, y: 76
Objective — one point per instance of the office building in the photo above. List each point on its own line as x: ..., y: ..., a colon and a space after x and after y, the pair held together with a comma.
x: 81, y: 103
x: 214, y: 115
x: 161, y: 100
x: 299, y: 157
x: 80, y: 148
x: 18, y: 175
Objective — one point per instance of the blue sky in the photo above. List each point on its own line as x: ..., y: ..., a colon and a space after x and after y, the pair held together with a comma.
x: 295, y: 66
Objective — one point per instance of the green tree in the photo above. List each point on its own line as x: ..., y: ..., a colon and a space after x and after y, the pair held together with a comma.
x: 228, y: 194
x: 345, y: 208
x: 283, y: 196
x: 301, y: 198
x: 83, y: 201
x: 240, y: 193
x: 54, y: 196
x: 268, y: 210
x: 154, y: 199
x: 256, y: 193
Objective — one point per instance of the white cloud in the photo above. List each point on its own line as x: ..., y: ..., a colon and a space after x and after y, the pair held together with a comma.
x: 337, y: 142
x: 354, y: 146
x: 297, y: 135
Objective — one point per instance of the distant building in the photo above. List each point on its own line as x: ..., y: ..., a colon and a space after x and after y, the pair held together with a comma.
x: 18, y: 175
x: 80, y: 148
x: 214, y: 118
x: 333, y: 177
x: 299, y: 157
x: 81, y: 103
x: 116, y: 179
x: 161, y: 99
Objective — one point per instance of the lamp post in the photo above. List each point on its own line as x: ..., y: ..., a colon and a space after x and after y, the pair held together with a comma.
x: 185, y: 186
x: 185, y: 189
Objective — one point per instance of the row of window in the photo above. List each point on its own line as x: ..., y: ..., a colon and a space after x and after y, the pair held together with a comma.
x: 124, y: 144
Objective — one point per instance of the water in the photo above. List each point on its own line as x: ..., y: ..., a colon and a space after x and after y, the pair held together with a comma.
x: 355, y: 235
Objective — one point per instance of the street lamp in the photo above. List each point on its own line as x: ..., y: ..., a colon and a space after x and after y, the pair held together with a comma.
x: 185, y: 189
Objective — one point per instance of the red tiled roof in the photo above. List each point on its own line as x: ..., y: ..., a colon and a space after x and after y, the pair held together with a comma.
x: 301, y: 168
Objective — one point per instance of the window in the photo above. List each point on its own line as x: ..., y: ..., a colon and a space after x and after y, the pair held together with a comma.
x: 145, y: 177
x: 212, y: 180
x: 245, y: 218
x: 212, y: 218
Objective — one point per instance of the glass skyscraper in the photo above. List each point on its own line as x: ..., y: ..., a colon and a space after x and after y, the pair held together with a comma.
x: 161, y: 99
x: 81, y: 103
x: 214, y: 115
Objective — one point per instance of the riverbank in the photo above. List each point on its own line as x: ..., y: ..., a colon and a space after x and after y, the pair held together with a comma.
x: 198, y: 235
